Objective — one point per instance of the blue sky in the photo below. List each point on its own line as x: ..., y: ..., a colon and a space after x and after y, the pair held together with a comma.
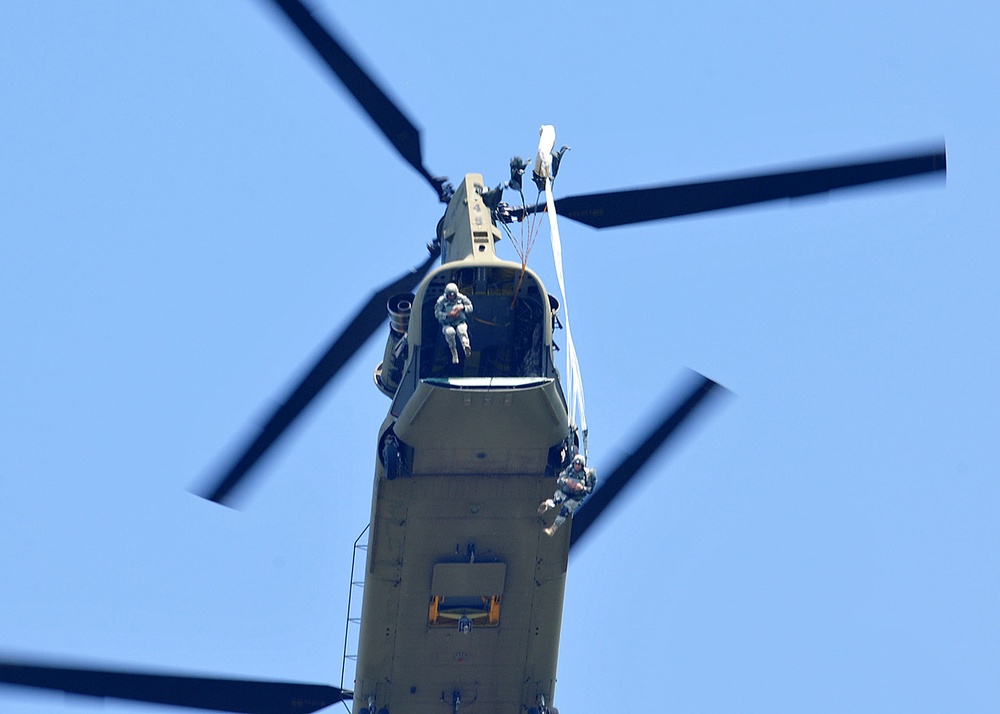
x: 189, y: 207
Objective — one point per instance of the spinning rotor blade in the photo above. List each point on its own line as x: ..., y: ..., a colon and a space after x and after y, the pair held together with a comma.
x: 618, y: 208
x: 224, y: 695
x: 597, y: 502
x: 349, y: 341
x: 399, y: 130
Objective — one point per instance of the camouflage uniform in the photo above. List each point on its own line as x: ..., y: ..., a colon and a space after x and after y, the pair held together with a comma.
x: 574, y: 486
x: 454, y: 324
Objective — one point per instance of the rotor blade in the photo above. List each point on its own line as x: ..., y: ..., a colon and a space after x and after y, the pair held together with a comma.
x: 597, y: 502
x: 349, y: 341
x: 399, y: 130
x: 618, y: 208
x: 224, y: 695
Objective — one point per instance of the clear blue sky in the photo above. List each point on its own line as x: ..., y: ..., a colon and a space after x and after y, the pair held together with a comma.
x: 189, y: 207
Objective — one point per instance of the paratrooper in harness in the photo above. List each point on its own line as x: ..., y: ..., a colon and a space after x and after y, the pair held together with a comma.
x: 575, y: 484
x: 451, y: 310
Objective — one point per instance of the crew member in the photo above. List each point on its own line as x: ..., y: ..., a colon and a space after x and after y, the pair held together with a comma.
x: 575, y: 484
x: 451, y: 310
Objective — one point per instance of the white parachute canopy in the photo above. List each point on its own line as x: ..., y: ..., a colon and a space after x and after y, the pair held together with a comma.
x: 574, y: 382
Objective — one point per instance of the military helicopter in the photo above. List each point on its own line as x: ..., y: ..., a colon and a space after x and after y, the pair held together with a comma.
x: 515, y: 436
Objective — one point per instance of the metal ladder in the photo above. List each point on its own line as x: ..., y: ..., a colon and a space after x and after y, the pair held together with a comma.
x: 352, y: 628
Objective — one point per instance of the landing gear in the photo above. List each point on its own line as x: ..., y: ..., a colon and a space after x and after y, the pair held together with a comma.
x: 370, y: 709
x: 392, y: 461
x: 392, y: 458
x: 542, y: 707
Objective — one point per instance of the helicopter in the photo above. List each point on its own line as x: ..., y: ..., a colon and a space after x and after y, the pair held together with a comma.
x: 423, y: 368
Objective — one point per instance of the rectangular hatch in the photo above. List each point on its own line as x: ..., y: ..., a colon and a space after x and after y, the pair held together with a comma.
x: 466, y: 592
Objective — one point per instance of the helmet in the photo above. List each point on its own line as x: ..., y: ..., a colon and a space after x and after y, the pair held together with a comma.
x: 579, y: 459
x: 450, y: 290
